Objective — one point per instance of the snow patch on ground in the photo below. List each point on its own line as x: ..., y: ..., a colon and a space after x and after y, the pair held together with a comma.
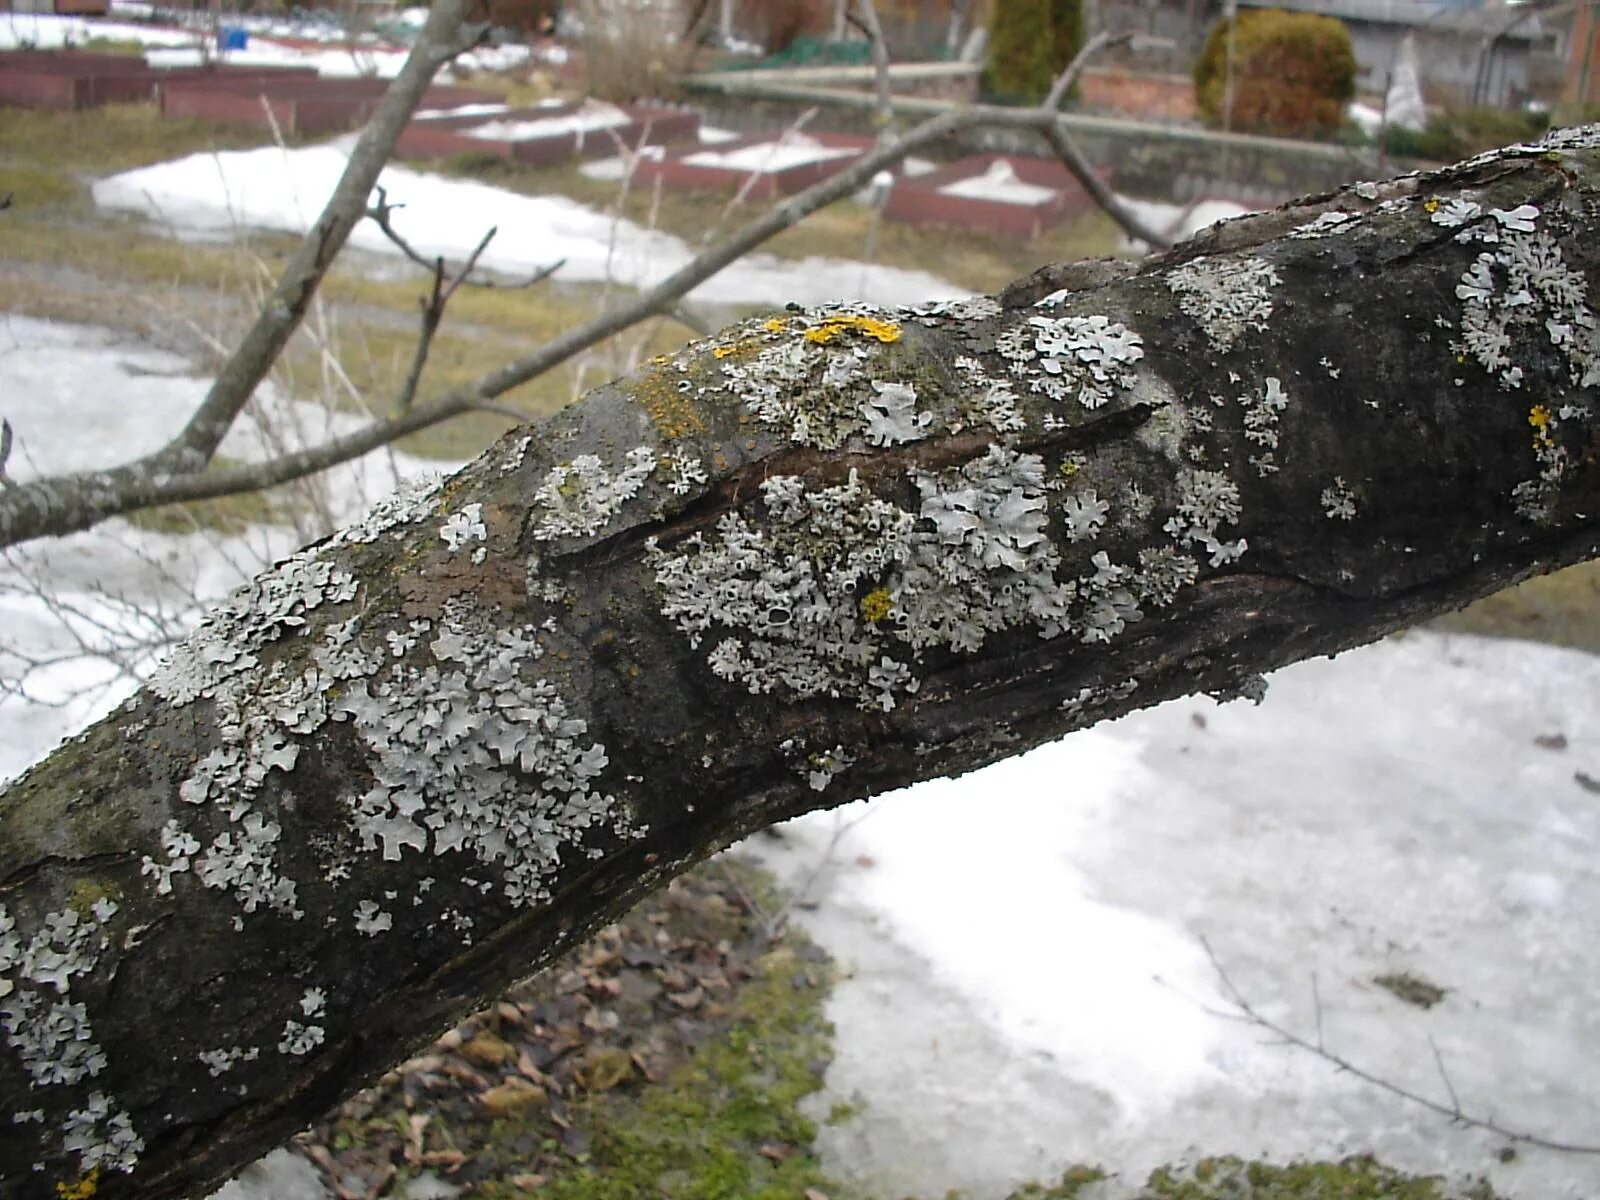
x: 274, y: 188
x: 46, y: 31
x: 1179, y: 221
x: 593, y: 116
x: 1025, y: 943
x: 780, y: 154
x: 174, y: 47
x: 999, y: 184
x: 83, y: 398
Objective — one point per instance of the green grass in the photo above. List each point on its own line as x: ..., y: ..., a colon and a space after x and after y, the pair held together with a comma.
x: 1562, y: 609
x: 1359, y: 1178
x: 700, y: 1134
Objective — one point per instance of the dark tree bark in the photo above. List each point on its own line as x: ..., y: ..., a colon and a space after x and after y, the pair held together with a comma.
x: 815, y: 557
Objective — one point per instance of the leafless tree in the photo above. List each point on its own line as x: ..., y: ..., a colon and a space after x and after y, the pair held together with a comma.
x: 183, y: 469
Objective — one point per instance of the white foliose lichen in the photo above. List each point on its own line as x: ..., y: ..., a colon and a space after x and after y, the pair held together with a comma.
x: 372, y: 920
x: 841, y: 590
x: 987, y: 399
x: 1084, y: 513
x: 1226, y: 297
x: 102, y: 1136
x: 302, y: 1037
x: 891, y: 416
x: 227, y: 641
x: 51, y: 1034
x: 1524, y: 286
x: 411, y: 501
x: 1081, y: 358
x: 685, y: 473
x: 224, y: 1059
x: 809, y: 376
x: 819, y: 767
x: 795, y: 593
x: 1325, y: 225
x: 1207, y: 500
x: 1261, y: 412
x: 1515, y: 296
x: 469, y: 754
x: 464, y: 526
x: 1338, y: 501
x: 581, y: 497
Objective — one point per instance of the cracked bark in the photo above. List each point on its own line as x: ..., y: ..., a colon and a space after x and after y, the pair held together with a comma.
x: 1384, y: 417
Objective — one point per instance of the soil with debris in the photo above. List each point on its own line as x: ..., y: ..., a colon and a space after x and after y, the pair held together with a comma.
x: 666, y: 1056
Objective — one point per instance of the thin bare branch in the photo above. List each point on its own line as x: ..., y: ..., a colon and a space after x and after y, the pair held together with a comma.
x: 1065, y: 81
x: 1316, y: 1004
x: 689, y: 320
x: 444, y: 287
x: 5, y: 451
x: 880, y: 61
x: 379, y: 212
x: 1444, y: 1075
x: 1452, y: 1111
x: 1067, y: 151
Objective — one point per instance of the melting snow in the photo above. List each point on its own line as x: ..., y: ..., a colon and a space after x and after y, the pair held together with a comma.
x: 999, y: 183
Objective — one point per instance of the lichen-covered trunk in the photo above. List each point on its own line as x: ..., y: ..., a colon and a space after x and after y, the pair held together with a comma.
x: 817, y: 556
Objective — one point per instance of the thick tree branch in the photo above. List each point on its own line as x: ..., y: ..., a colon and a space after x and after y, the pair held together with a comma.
x: 823, y: 554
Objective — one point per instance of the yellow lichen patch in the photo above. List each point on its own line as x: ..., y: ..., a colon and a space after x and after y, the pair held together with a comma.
x: 829, y: 329
x: 672, y: 411
x: 775, y: 325
x: 1539, y: 417
x: 1430, y: 205
x: 877, y: 604
x: 83, y: 1189
x: 740, y: 349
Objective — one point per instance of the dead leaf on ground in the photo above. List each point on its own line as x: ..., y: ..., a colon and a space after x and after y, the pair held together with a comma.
x: 487, y: 1050
x: 1587, y: 782
x: 1411, y: 989
x: 689, y: 999
x: 604, y: 1067
x: 514, y: 1096
x: 777, y: 1153
x: 1551, y: 741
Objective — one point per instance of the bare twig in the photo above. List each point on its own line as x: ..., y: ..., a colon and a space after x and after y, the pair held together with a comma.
x: 1438, y: 1061
x: 5, y: 201
x: 5, y: 451
x: 1316, y: 1004
x: 1452, y: 1111
x: 433, y: 306
x: 1065, y: 81
x: 799, y: 897
x: 1067, y: 151
x: 880, y: 61
x: 379, y: 212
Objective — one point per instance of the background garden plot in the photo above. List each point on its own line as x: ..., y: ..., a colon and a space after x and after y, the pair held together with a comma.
x: 283, y: 189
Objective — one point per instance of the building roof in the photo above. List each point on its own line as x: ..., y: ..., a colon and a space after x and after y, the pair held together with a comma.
x: 1485, y: 20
